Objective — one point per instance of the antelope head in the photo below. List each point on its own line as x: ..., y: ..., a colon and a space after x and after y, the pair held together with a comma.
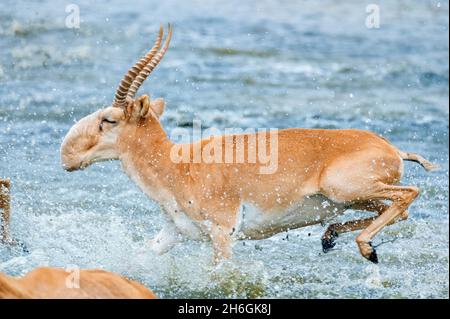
x: 94, y: 137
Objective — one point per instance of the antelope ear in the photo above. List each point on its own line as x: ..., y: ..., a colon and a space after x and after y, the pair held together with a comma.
x: 157, y: 106
x: 141, y: 106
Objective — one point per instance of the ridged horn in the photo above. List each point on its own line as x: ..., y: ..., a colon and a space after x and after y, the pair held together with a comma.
x: 145, y: 72
x: 120, y: 98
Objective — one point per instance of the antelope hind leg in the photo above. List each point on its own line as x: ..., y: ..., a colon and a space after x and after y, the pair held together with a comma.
x: 333, y: 231
x: 401, y: 197
x: 374, y: 180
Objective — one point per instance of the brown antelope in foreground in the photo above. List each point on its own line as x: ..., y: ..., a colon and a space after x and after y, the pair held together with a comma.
x: 53, y: 283
x: 346, y: 169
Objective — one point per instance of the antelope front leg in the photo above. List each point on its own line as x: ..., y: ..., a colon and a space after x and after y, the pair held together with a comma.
x: 165, y: 239
x: 222, y: 241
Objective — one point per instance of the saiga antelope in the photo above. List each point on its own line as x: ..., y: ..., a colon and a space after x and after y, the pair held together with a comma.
x: 54, y: 283
x: 346, y: 169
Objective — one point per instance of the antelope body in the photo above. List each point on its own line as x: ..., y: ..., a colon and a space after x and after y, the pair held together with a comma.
x: 320, y: 174
x: 54, y: 283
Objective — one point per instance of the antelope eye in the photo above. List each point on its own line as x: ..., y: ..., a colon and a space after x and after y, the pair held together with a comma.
x: 109, y: 121
x: 100, y: 127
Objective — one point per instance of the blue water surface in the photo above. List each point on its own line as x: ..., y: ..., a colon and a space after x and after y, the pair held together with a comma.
x: 257, y: 63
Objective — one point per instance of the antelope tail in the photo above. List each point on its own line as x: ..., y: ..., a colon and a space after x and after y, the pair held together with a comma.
x: 418, y: 159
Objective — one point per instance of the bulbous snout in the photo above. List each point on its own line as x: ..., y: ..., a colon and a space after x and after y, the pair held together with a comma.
x: 69, y: 160
x: 91, y: 140
x: 77, y: 143
x: 70, y: 167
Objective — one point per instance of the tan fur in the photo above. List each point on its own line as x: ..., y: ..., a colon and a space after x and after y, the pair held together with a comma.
x: 343, y: 166
x: 5, y: 207
x: 51, y: 283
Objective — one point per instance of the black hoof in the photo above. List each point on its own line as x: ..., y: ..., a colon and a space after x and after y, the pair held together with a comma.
x: 373, y: 257
x: 329, y: 243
